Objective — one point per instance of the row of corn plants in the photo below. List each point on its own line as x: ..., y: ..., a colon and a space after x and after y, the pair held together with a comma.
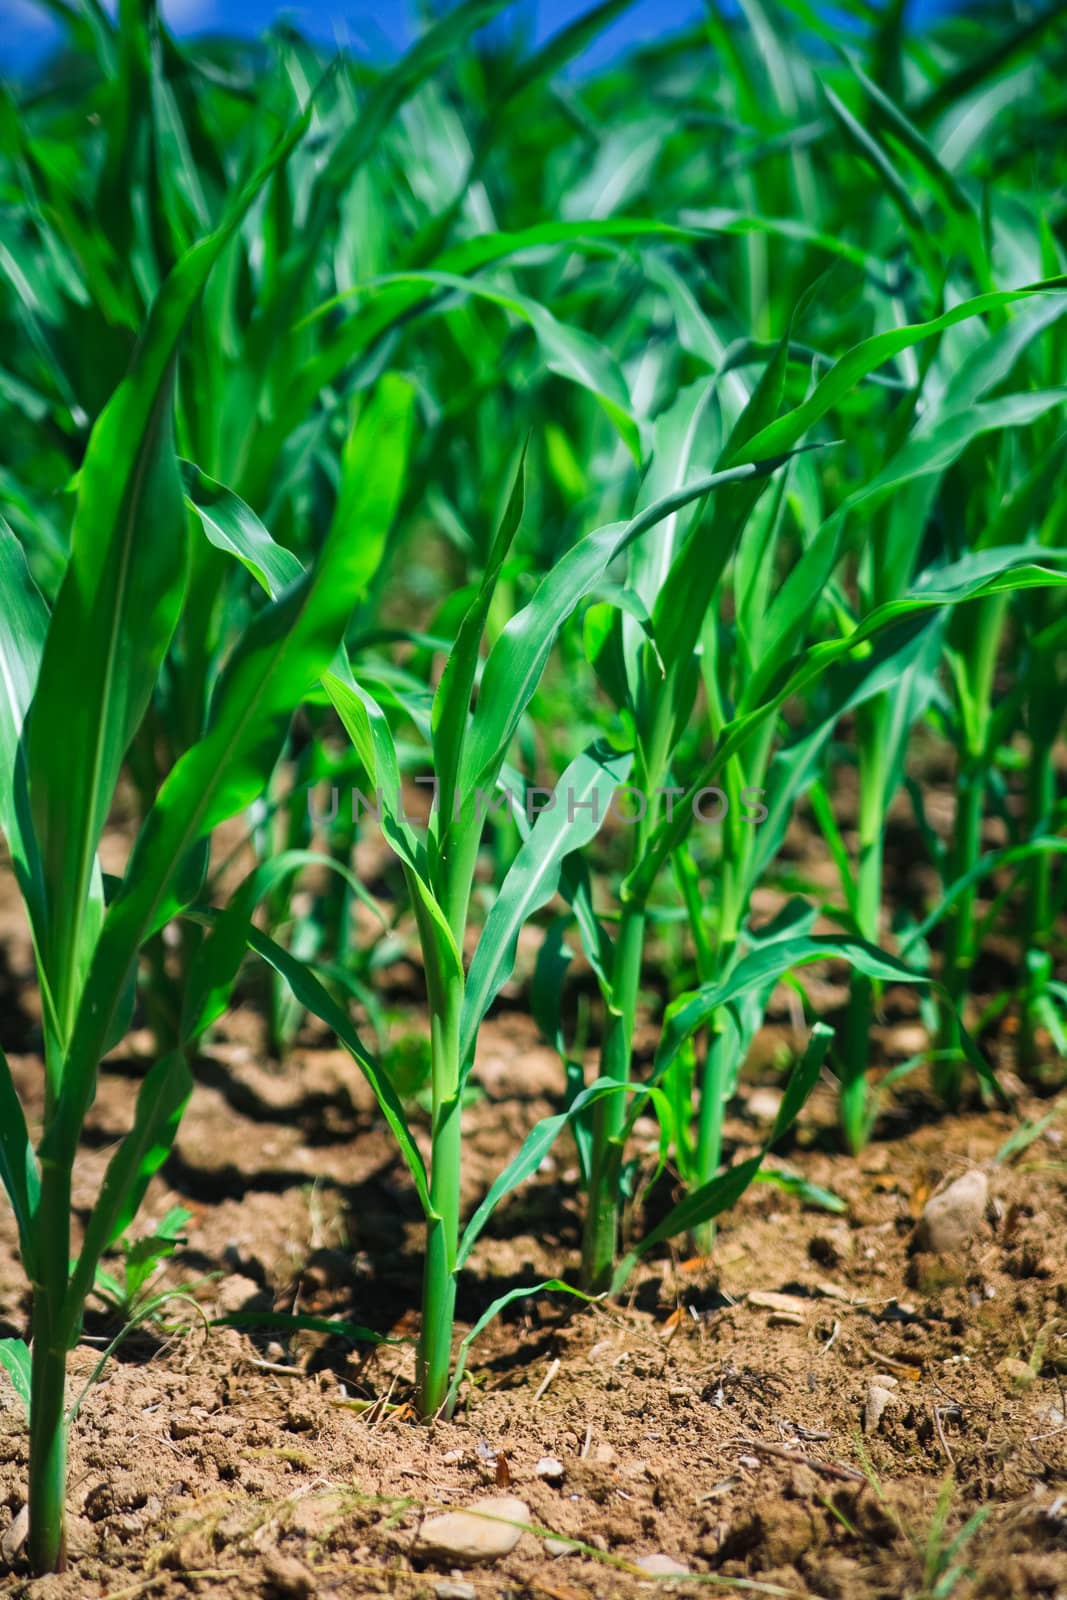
x: 652, y: 458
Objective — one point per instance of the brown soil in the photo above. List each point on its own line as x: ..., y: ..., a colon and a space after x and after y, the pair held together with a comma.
x: 689, y: 1421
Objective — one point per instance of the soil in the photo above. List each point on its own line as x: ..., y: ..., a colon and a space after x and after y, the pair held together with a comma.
x: 693, y: 1420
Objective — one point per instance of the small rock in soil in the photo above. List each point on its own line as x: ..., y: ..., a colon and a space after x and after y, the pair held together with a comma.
x: 661, y: 1566
x: 784, y: 1304
x: 558, y: 1547
x: 450, y: 1589
x: 13, y: 1539
x: 285, y: 1578
x: 763, y: 1105
x: 953, y: 1217
x: 879, y: 1397
x: 485, y: 1531
x: 605, y: 1454
x: 550, y: 1469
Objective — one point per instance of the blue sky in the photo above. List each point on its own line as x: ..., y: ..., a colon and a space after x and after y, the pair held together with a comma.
x: 26, y: 32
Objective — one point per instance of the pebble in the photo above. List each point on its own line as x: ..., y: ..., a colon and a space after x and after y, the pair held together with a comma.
x: 880, y: 1395
x: 483, y: 1531
x: 449, y: 1589
x: 785, y: 1304
x: 285, y: 1578
x: 763, y: 1105
x: 952, y: 1218
x: 559, y: 1547
x: 550, y: 1469
x: 605, y: 1454
x: 661, y: 1566
x: 14, y: 1537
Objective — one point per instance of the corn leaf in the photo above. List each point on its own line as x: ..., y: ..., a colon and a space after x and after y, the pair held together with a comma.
x: 582, y: 797
x: 114, y: 615
x: 15, y: 1360
x: 161, y: 1101
x: 18, y: 1165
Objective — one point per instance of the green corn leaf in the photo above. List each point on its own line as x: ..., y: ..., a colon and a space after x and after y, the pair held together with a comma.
x: 994, y: 861
x: 975, y: 577
x: 434, y: 50
x: 23, y: 629
x: 958, y: 84
x: 376, y: 459
x: 373, y: 467
x: 115, y: 613
x: 774, y: 960
x: 944, y: 184
x: 684, y: 598
x: 802, y: 1189
x: 218, y: 960
x: 537, y: 1145
x: 18, y: 1165
x: 583, y: 795
x: 927, y: 454
x: 15, y: 1360
x: 301, y: 1322
x: 518, y: 658
x: 524, y: 1292
x: 871, y: 353
x: 161, y: 1101
x: 683, y: 435
x: 546, y: 988
x: 451, y: 704
x: 570, y: 352
x: 315, y: 998
x: 232, y: 526
x: 895, y: 184
x: 284, y: 651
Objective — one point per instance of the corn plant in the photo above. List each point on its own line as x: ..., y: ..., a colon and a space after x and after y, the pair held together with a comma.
x: 652, y: 676
x: 77, y: 683
x: 470, y: 751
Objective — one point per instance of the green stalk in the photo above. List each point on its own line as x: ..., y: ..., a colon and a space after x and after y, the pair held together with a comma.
x: 600, y: 1234
x: 975, y: 687
x: 737, y: 841
x: 1039, y: 913
x: 854, y: 1107
x: 48, y: 1419
x: 602, y: 1209
x: 713, y: 1086
x: 433, y: 1357
x: 1040, y: 799
x: 959, y: 936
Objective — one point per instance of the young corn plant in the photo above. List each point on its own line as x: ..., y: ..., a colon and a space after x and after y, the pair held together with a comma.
x: 951, y: 419
x: 652, y: 676
x: 76, y: 685
x: 470, y: 749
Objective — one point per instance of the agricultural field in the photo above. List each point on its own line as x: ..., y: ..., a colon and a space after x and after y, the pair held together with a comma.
x: 533, y: 795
